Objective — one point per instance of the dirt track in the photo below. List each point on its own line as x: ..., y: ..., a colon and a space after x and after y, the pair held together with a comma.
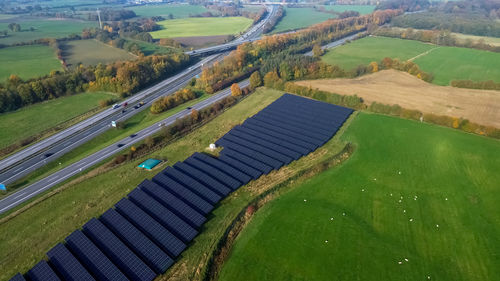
x: 395, y: 87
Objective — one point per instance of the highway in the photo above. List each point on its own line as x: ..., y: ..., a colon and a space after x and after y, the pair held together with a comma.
x: 35, y: 156
x: 44, y: 184
x: 334, y: 44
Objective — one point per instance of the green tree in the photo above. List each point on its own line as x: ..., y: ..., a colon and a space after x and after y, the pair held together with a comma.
x: 317, y: 51
x: 255, y: 80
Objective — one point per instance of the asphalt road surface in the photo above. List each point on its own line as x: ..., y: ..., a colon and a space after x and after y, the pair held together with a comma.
x: 35, y: 156
x: 334, y: 44
x: 44, y: 184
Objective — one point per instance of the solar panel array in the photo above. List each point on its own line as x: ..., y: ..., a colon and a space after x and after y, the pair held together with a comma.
x: 143, y: 234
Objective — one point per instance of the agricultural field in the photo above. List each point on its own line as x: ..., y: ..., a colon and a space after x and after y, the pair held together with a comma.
x: 362, y: 9
x: 297, y: 18
x: 479, y: 106
x: 28, y: 61
x: 414, y: 202
x: 36, y: 118
x: 53, y: 219
x: 201, y: 27
x: 93, y: 52
x: 153, y: 49
x: 44, y: 28
x: 446, y: 63
x: 6, y: 16
x: 177, y: 10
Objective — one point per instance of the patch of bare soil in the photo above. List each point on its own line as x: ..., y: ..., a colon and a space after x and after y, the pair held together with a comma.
x: 202, y: 41
x: 395, y: 87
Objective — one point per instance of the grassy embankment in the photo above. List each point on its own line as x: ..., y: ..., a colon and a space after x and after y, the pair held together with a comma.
x: 446, y: 63
x: 411, y: 191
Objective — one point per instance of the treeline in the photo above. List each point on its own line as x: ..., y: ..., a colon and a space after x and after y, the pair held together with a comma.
x: 112, y: 15
x: 124, y: 78
x: 483, y: 85
x: 438, y: 37
x: 273, y: 21
x: 172, y: 101
x: 342, y: 15
x: 405, y: 5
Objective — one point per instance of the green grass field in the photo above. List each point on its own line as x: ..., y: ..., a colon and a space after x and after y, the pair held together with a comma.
x: 44, y: 28
x: 446, y: 225
x: 362, y: 9
x: 27, y: 61
x: 177, y: 10
x: 23, y: 244
x: 151, y: 48
x: 446, y: 63
x: 36, y: 118
x: 201, y: 27
x: 93, y: 52
x: 297, y: 18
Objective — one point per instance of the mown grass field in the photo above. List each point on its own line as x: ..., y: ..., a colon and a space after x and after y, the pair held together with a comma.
x: 446, y: 63
x: 27, y: 237
x: 201, y: 27
x: 177, y: 10
x: 411, y: 191
x: 27, y: 61
x: 44, y: 28
x: 93, y: 52
x: 362, y: 9
x: 297, y: 18
x: 36, y: 118
x: 151, y: 48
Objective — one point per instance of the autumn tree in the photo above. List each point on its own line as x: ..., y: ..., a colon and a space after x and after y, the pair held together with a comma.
x: 317, y: 51
x: 195, y: 115
x: 235, y: 90
x: 255, y: 80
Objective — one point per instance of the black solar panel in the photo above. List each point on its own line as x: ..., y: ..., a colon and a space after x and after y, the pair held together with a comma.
x: 163, y: 215
x: 253, y: 153
x: 167, y: 241
x: 92, y: 258
x: 292, y: 127
x: 260, y: 140
x: 173, y: 203
x: 42, y: 272
x: 279, y: 136
x: 247, y: 169
x: 262, y: 167
x: 66, y: 265
x: 302, y: 125
x: 214, y: 173
x: 119, y: 253
x: 17, y: 277
x: 203, y: 178
x: 145, y: 249
x: 184, y: 193
x: 177, y: 177
x: 259, y: 147
x: 223, y: 167
x: 310, y: 121
x: 315, y: 119
x: 292, y: 134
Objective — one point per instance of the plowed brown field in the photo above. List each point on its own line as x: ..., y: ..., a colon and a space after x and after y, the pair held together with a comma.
x: 395, y: 87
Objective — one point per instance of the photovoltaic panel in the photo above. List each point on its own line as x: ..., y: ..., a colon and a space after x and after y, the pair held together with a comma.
x: 203, y: 178
x: 302, y: 124
x: 183, y: 179
x: 17, y: 277
x: 145, y: 249
x: 262, y: 167
x: 280, y: 136
x: 214, y: 173
x: 42, y: 272
x: 253, y: 153
x: 133, y: 267
x: 256, y: 123
x: 164, y: 216
x: 167, y: 241
x: 285, y: 159
x: 249, y: 170
x: 305, y: 120
x: 184, y: 193
x: 66, y: 265
x: 225, y: 168
x: 320, y: 120
x: 92, y: 258
x: 293, y: 128
x: 175, y: 204
x: 267, y: 144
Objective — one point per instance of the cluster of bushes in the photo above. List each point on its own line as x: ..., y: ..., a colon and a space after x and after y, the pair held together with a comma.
x: 112, y: 15
x: 483, y: 85
x: 442, y: 120
x: 172, y: 101
x: 438, y: 37
x: 406, y: 66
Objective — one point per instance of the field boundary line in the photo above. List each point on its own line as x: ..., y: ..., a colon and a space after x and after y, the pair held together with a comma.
x: 424, y: 53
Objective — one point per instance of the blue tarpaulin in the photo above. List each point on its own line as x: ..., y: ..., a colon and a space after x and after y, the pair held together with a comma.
x: 2, y: 187
x: 149, y: 164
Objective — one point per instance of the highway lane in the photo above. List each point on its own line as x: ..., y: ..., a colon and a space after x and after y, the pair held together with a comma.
x: 33, y: 157
x: 334, y: 44
x: 44, y: 184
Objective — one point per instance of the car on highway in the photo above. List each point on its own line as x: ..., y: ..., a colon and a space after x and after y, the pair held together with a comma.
x: 189, y: 108
x: 120, y: 145
x: 47, y: 155
x: 125, y: 104
x: 133, y: 135
x: 115, y: 106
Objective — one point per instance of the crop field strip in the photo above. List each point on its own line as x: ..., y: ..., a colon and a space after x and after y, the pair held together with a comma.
x: 145, y: 232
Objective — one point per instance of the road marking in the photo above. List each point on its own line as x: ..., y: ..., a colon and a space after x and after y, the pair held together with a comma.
x: 22, y: 193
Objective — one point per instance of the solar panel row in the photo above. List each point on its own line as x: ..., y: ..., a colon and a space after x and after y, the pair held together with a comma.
x: 143, y: 234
